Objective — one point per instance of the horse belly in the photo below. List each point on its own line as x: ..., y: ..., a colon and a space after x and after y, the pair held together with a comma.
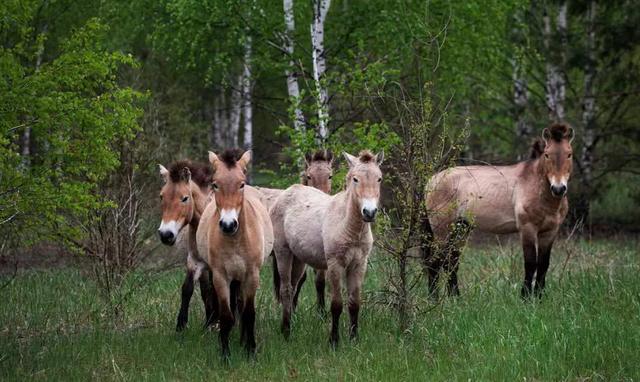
x: 304, y: 237
x: 494, y: 214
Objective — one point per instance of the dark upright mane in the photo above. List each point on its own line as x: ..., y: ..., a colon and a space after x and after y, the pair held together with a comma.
x: 201, y: 173
x: 559, y: 131
x: 230, y: 156
x: 319, y: 156
x: 366, y: 156
x: 537, y: 148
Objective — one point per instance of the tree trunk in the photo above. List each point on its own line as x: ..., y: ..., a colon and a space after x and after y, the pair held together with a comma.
x: 247, y: 112
x: 320, y: 9
x: 292, y: 76
x: 219, y: 122
x: 555, y: 84
x: 588, y: 115
x: 235, y: 111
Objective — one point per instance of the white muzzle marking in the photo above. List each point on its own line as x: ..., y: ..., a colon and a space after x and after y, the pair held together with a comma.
x: 228, y: 216
x: 369, y: 204
x: 170, y: 226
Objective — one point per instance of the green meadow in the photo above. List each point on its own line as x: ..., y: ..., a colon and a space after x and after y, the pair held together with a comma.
x: 587, y: 327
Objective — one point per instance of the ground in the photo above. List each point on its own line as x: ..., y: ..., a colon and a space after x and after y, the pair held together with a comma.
x: 587, y: 327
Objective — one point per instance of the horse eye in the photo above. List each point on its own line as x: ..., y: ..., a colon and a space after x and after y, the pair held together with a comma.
x: 214, y: 186
x: 309, y: 177
x: 546, y: 156
x: 160, y: 197
x: 355, y: 180
x: 379, y: 180
x: 241, y: 185
x: 184, y: 199
x: 330, y: 176
x: 569, y: 156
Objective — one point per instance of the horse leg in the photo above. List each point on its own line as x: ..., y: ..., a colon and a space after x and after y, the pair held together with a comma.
x: 284, y: 259
x: 528, y: 238
x: 320, y: 284
x: 335, y: 272
x: 544, y: 254
x: 299, y: 285
x: 355, y: 277
x: 187, y: 292
x: 298, y: 273
x: 208, y: 295
x: 248, y: 318
x: 235, y: 298
x: 221, y: 286
x: 453, y: 263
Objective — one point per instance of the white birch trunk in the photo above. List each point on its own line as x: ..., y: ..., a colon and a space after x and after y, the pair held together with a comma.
x: 555, y: 81
x: 521, y: 100
x: 589, y: 102
x: 292, y: 77
x: 26, y: 134
x: 217, y: 125
x: 235, y: 111
x: 320, y: 9
x: 247, y: 112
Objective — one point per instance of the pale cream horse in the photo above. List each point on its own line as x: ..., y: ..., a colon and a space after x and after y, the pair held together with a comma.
x: 528, y: 198
x: 328, y: 232
x: 318, y: 173
x: 235, y: 233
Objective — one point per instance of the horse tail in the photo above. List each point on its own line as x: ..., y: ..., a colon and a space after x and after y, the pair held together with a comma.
x: 276, y: 278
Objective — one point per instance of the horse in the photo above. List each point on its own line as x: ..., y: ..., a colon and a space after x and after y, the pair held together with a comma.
x: 236, y: 235
x: 183, y: 198
x: 328, y: 232
x: 318, y: 173
x: 529, y: 198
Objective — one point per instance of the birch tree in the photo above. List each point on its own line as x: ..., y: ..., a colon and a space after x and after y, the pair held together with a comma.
x: 247, y: 112
x: 589, y: 105
x: 235, y: 111
x: 320, y: 9
x: 292, y: 77
x: 555, y: 83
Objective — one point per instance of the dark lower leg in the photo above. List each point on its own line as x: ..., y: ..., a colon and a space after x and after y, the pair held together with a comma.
x: 433, y: 274
x: 336, y: 311
x: 320, y: 286
x: 530, y: 264
x: 226, y: 323
x: 452, y: 271
x: 248, y: 325
x: 541, y: 271
x: 209, y: 298
x: 298, y: 289
x: 187, y: 292
x: 354, y: 309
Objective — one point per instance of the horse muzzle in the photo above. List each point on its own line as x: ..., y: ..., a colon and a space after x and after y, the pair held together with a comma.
x: 369, y: 215
x: 558, y: 190
x: 167, y: 237
x: 229, y: 227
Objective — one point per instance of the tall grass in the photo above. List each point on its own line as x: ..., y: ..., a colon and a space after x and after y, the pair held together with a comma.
x: 586, y: 327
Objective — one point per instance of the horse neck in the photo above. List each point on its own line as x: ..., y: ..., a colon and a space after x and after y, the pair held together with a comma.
x: 352, y: 223
x: 199, y: 203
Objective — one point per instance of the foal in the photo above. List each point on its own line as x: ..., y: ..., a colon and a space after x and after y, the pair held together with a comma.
x: 237, y: 236
x: 183, y: 198
x: 528, y: 197
x: 328, y: 232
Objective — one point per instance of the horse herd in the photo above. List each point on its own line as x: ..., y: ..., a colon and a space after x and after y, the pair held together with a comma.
x: 233, y: 227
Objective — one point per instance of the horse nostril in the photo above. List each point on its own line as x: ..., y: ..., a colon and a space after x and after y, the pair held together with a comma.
x: 558, y: 190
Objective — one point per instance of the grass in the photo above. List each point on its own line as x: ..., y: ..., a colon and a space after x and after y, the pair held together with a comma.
x: 586, y: 328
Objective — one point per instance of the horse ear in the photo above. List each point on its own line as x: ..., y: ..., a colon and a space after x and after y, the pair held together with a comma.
x: 185, y: 175
x: 164, y: 173
x: 351, y: 160
x: 546, y: 135
x: 245, y: 159
x: 307, y: 160
x: 379, y: 158
x: 213, y: 158
x: 571, y: 134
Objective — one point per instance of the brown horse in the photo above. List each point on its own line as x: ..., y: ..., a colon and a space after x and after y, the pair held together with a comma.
x: 318, y: 173
x: 184, y: 196
x: 328, y: 232
x: 236, y: 234
x: 528, y: 197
